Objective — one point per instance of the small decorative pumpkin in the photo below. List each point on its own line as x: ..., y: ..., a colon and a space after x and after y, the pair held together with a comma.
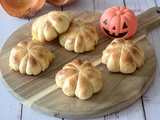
x: 60, y: 2
x: 22, y: 8
x: 118, y: 22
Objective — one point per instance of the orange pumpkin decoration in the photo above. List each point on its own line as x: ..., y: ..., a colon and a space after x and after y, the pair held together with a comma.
x: 22, y: 8
x: 118, y: 22
x: 60, y: 2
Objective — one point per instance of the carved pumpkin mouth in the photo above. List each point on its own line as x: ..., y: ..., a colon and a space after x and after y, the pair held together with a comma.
x: 113, y: 35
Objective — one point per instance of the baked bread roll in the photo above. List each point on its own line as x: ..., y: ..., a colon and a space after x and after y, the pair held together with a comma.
x: 123, y: 56
x: 79, y: 78
x: 49, y: 26
x: 30, y: 58
x: 80, y: 37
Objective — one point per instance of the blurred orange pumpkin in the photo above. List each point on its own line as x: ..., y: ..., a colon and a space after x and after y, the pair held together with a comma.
x: 60, y: 2
x: 118, y: 22
x: 22, y: 8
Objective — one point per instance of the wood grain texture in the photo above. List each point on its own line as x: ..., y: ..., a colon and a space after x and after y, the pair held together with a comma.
x: 119, y: 90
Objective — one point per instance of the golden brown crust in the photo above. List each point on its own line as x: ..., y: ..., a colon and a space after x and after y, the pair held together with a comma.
x: 80, y: 37
x: 30, y: 58
x: 49, y: 26
x: 123, y: 56
x: 79, y: 78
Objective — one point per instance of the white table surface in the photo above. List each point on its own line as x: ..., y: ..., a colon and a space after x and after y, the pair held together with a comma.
x: 146, y: 108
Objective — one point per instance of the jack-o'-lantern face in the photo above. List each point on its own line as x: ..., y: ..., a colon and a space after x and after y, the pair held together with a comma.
x: 118, y: 22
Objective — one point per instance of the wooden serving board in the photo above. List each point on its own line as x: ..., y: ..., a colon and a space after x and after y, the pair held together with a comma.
x: 119, y: 90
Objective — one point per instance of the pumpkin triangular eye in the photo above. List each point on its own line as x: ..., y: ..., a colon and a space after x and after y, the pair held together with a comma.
x: 106, y: 22
x: 114, y: 28
x: 125, y: 26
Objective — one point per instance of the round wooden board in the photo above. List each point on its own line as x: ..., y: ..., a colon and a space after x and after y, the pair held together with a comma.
x: 42, y: 94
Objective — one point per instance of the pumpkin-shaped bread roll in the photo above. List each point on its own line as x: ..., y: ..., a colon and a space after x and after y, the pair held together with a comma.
x: 123, y: 56
x: 80, y: 37
x: 30, y: 58
x: 79, y: 78
x: 49, y: 26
